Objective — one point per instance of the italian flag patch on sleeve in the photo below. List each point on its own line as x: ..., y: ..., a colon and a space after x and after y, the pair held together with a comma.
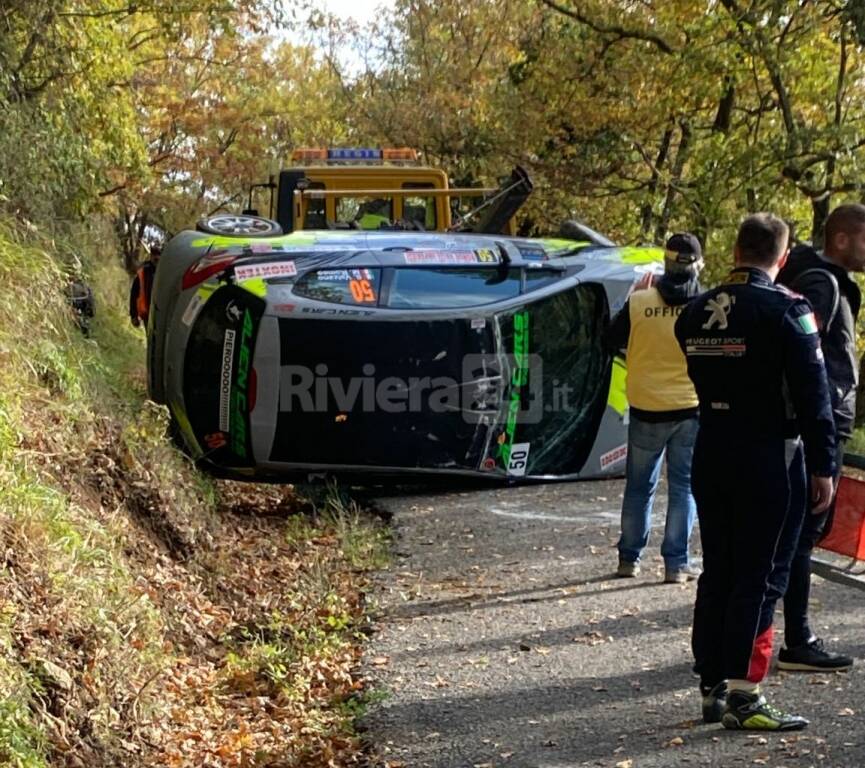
x: 807, y: 323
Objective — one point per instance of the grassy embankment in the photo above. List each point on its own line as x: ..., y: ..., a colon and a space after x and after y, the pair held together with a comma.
x: 148, y: 615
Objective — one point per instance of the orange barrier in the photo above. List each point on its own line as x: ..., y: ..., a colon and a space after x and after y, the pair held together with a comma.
x: 847, y: 534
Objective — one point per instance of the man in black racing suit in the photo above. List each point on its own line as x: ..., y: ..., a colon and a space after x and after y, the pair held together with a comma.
x: 754, y: 356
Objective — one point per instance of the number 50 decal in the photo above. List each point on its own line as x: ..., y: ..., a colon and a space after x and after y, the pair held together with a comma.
x: 361, y: 291
x: 518, y: 459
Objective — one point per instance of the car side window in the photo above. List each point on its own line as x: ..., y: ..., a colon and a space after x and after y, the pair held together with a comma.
x: 359, y: 287
x: 444, y: 287
x: 539, y: 278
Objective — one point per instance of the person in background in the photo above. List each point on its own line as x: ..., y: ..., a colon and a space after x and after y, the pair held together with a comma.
x: 663, y: 412
x: 754, y: 356
x: 80, y: 298
x: 142, y: 284
x: 824, y: 279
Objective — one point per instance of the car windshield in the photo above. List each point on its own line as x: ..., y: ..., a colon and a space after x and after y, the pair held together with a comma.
x: 565, y: 344
x: 364, y: 212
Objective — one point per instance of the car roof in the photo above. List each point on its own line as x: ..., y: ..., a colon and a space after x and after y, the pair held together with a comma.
x: 390, y: 246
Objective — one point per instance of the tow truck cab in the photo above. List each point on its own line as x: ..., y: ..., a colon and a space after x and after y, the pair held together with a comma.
x: 362, y: 188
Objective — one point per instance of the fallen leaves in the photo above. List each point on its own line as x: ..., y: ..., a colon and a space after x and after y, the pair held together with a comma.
x: 268, y: 647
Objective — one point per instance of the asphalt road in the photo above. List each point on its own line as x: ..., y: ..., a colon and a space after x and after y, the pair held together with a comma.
x: 504, y: 640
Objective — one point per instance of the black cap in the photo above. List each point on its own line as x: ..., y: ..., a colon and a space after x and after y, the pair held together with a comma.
x: 684, y: 248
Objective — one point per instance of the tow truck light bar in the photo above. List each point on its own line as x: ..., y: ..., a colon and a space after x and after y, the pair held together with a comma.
x: 355, y: 154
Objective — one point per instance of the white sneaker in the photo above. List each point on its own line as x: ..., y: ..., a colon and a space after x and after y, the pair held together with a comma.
x: 681, y: 575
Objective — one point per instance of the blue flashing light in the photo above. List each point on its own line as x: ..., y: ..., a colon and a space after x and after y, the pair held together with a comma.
x: 356, y: 153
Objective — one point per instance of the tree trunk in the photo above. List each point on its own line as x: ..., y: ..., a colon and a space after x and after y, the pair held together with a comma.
x: 646, y: 211
x: 682, y: 152
x: 130, y: 229
x: 819, y: 214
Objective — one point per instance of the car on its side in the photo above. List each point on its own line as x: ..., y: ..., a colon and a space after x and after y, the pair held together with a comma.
x: 392, y: 354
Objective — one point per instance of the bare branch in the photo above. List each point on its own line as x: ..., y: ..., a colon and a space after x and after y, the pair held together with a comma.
x: 605, y: 29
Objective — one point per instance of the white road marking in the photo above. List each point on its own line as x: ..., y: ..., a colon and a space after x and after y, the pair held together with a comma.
x: 609, y: 514
x: 526, y: 515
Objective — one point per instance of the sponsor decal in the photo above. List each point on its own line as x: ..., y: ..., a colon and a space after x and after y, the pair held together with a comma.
x: 283, y: 309
x: 488, y: 464
x: 616, y: 456
x: 441, y: 257
x: 718, y: 308
x: 332, y: 312
x: 192, y: 309
x: 478, y: 323
x: 233, y: 313
x: 240, y: 392
x: 530, y: 254
x: 519, y: 379
x: 724, y: 346
x: 808, y: 323
x: 270, y: 269
x: 225, y: 381
x: 342, y: 275
x: 518, y: 459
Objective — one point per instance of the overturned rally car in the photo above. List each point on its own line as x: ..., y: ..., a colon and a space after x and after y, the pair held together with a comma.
x: 386, y: 353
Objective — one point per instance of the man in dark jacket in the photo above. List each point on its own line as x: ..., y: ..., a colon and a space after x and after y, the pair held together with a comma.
x: 824, y: 279
x: 754, y: 356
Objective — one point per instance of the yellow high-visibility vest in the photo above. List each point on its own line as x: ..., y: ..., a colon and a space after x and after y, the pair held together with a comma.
x: 657, y: 372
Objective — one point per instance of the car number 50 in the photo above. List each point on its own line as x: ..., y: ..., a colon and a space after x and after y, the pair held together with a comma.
x: 361, y: 291
x: 518, y: 459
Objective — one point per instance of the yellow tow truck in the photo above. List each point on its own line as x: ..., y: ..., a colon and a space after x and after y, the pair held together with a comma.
x: 365, y: 188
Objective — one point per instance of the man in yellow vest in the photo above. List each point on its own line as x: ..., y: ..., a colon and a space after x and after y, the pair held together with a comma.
x: 663, y: 412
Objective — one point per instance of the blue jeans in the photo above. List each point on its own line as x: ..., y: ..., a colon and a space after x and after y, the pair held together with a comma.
x: 647, y: 443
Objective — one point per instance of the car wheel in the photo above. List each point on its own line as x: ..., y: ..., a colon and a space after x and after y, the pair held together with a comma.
x: 239, y: 225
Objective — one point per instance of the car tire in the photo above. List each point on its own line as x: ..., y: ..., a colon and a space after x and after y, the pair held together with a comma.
x: 239, y: 225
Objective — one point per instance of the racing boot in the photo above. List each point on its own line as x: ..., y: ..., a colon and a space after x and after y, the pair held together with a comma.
x: 714, y: 702
x: 751, y: 712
